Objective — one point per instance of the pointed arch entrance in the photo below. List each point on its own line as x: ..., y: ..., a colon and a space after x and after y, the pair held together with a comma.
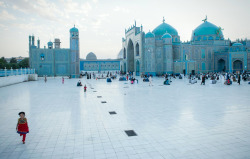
x: 237, y: 65
x: 221, y: 65
x: 130, y: 56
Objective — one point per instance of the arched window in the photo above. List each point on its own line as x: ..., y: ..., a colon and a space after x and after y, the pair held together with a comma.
x: 210, y: 38
x: 124, y: 53
x: 42, y: 57
x: 137, y: 50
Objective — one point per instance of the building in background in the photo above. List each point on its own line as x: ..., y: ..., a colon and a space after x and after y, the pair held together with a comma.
x: 93, y: 64
x: 54, y: 60
x: 161, y: 51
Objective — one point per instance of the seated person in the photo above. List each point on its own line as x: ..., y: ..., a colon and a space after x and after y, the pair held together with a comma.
x: 227, y: 82
x: 109, y: 80
x: 145, y: 80
x: 166, y: 82
x: 79, y: 83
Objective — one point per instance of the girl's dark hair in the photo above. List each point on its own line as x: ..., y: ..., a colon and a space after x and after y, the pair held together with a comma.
x: 21, y: 113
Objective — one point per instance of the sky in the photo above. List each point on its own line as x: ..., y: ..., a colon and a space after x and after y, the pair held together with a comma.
x: 102, y: 23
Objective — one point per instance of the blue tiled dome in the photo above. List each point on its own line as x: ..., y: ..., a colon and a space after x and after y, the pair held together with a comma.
x: 163, y: 28
x: 237, y: 44
x: 207, y: 28
x: 149, y: 35
x: 74, y: 29
x: 91, y: 56
x: 166, y: 35
x: 50, y: 43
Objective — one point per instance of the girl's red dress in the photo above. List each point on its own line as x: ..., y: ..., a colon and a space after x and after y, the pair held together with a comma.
x: 22, y: 127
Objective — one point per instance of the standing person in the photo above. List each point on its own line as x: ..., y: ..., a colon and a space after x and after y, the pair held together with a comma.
x: 85, y: 88
x: 62, y: 80
x: 45, y: 78
x: 150, y: 81
x: 203, y: 80
x: 239, y: 79
x: 22, y: 126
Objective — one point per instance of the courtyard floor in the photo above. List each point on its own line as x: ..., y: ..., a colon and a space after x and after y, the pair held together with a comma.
x: 180, y: 121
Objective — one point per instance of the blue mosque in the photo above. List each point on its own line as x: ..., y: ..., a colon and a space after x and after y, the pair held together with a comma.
x: 54, y: 60
x: 158, y: 52
x: 161, y: 51
x: 57, y: 61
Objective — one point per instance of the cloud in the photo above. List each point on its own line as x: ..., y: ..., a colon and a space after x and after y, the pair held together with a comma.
x: 42, y: 8
x: 119, y: 9
x: 96, y: 23
x: 4, y: 15
x: 75, y: 8
x: 2, y: 4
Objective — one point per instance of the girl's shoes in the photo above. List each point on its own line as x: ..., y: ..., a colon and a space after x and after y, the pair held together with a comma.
x: 23, y: 142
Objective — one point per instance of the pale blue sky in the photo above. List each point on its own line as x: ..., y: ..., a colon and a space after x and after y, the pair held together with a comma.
x: 102, y: 22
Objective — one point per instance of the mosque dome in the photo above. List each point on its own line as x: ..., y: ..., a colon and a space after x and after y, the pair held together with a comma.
x: 166, y: 35
x: 74, y: 29
x: 149, y: 35
x: 50, y: 43
x: 91, y: 56
x: 163, y: 28
x: 237, y: 44
x: 207, y: 28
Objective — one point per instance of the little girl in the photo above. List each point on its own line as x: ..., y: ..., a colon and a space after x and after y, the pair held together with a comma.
x: 85, y: 88
x: 22, y: 126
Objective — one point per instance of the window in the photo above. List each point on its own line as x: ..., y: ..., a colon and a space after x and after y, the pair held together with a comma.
x: 203, y: 54
x: 137, y: 50
x: 42, y: 57
x: 124, y: 53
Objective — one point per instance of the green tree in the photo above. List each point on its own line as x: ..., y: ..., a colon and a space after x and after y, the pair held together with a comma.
x: 14, y: 65
x: 24, y: 63
x: 13, y: 60
x: 3, y: 63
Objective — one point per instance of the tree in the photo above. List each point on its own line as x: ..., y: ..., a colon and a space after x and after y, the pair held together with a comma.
x: 3, y: 63
x: 13, y: 60
x: 24, y: 63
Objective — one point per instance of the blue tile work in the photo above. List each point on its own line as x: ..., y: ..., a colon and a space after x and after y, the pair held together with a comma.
x: 161, y: 51
x: 100, y: 65
x: 53, y: 60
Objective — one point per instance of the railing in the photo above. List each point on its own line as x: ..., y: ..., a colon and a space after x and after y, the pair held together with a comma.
x: 13, y: 72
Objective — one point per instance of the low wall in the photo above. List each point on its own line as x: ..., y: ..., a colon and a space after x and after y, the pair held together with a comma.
x: 5, y: 81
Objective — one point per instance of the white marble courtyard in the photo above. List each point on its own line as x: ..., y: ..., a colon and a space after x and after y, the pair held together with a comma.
x: 180, y: 121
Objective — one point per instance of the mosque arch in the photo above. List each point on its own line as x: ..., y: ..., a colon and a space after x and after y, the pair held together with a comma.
x: 137, y: 49
x: 124, y: 53
x: 130, y: 54
x: 237, y: 65
x: 210, y: 38
x: 221, y: 65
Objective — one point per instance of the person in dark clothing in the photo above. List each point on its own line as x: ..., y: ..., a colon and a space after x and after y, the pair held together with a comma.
x: 203, y: 80
x: 239, y: 79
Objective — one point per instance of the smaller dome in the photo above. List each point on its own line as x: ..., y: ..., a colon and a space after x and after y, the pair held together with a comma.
x: 50, y: 43
x: 237, y: 44
x: 149, y: 35
x: 91, y: 56
x: 166, y: 35
x: 74, y: 29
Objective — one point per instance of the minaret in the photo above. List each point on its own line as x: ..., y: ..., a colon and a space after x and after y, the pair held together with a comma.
x: 74, y: 53
x: 30, y: 57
